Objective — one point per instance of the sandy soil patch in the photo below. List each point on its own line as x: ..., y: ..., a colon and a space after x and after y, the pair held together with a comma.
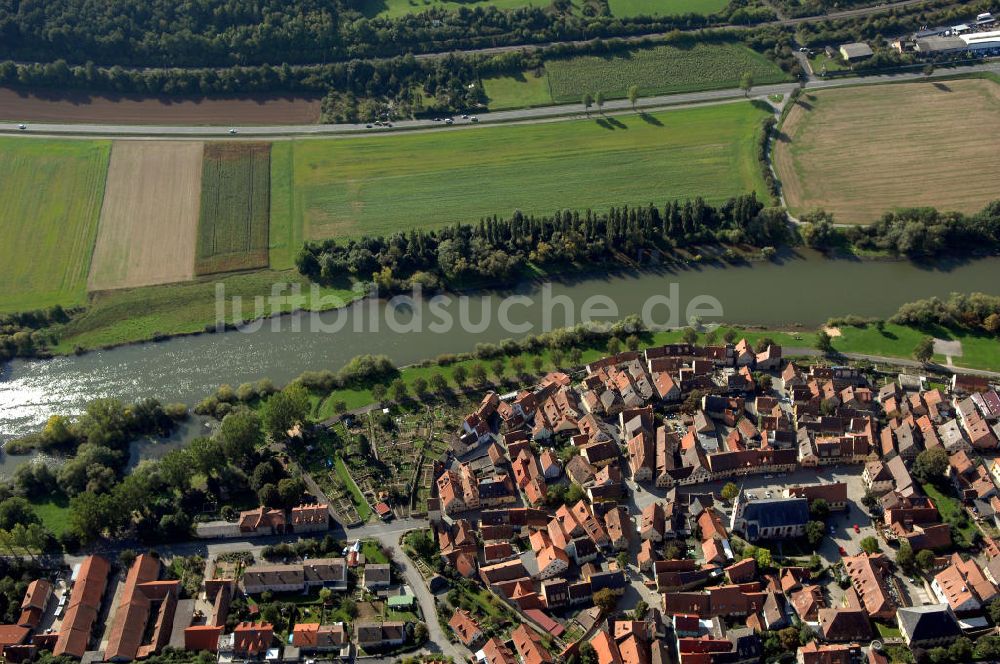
x: 859, y: 152
x: 832, y: 331
x: 75, y: 107
x: 149, y: 221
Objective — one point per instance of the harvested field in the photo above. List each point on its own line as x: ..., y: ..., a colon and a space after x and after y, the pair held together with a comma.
x: 149, y: 221
x: 235, y: 207
x: 859, y: 152
x: 75, y: 107
x: 50, y: 201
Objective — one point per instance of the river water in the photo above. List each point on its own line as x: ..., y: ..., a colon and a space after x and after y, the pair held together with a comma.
x: 800, y: 289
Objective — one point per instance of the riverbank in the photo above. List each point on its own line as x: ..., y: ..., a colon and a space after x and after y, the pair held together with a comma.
x: 892, y: 341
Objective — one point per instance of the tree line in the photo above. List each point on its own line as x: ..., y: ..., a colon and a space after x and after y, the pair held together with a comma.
x: 161, y: 33
x: 917, y: 233
x: 975, y: 311
x: 497, y: 247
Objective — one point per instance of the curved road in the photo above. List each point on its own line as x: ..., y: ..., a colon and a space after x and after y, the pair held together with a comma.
x: 527, y: 115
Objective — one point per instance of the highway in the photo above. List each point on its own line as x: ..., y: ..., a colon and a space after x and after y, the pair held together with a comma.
x: 520, y: 116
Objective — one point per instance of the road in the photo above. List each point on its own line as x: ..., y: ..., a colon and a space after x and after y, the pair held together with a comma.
x: 520, y: 116
x: 792, y: 351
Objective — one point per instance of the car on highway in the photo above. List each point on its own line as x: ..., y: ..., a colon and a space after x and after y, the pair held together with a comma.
x: 449, y: 121
x: 474, y: 118
x: 22, y: 126
x: 232, y: 130
x: 368, y: 126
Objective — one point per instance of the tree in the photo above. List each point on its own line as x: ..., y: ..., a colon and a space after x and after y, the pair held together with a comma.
x: 814, y: 532
x: 290, y: 490
x: 819, y: 509
x: 960, y: 650
x: 605, y: 600
x: 711, y: 337
x: 378, y: 392
x: 632, y: 342
x: 439, y: 383
x: 905, y: 558
x: 931, y: 465
x: 870, y: 545
x: 729, y: 336
x: 689, y: 335
x: 599, y: 100
x: 240, y: 433
x: 459, y: 374
x: 517, y: 366
x: 924, y: 350
x: 872, y: 503
x: 587, y: 102
x: 284, y: 410
x: 730, y: 491
x: 557, y: 358
x: 498, y: 368
x: 420, y: 385
x: 537, y: 362
x: 420, y: 633
x: 478, y: 374
x: 925, y: 559
x: 633, y: 95
x: 824, y: 342
x: 746, y: 83
x: 398, y: 390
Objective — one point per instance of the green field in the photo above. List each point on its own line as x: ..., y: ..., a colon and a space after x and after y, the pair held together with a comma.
x: 659, y: 70
x: 519, y: 91
x: 381, y: 185
x: 139, y: 314
x: 629, y: 8
x: 821, y: 61
x: 285, y: 237
x: 235, y: 207
x: 50, y: 201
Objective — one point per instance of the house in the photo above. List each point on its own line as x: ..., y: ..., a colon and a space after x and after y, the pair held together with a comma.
x: 813, y: 653
x: 249, y: 640
x: 310, y: 518
x: 605, y: 649
x: 963, y: 586
x: 807, y: 601
x: 83, y: 607
x: 529, y: 646
x: 465, y: 627
x: 868, y: 576
x: 262, y: 521
x: 36, y: 599
x: 495, y: 652
x: 312, y: 638
x: 551, y: 468
x: 145, y: 614
x: 877, y: 477
x: 322, y: 572
x: 652, y: 523
x: 377, y: 576
x: 370, y: 635
x: 928, y: 626
x: 844, y: 625
x: 771, y: 518
x: 619, y: 528
x: 552, y: 561
x: 834, y: 493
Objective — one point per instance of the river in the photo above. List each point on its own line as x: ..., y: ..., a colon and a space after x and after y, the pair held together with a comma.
x: 801, y: 289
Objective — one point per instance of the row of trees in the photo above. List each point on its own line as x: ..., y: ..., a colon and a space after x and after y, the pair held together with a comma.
x: 496, y: 247
x: 977, y: 312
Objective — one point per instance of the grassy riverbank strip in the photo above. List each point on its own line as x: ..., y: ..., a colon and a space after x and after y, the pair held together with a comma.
x: 893, y: 341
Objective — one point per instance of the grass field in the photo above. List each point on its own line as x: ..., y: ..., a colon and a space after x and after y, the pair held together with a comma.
x: 50, y: 202
x: 285, y: 236
x: 381, y: 185
x: 852, y: 152
x: 629, y: 8
x: 520, y: 91
x: 235, y: 208
x: 659, y: 70
x: 149, y: 219
x: 139, y: 314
